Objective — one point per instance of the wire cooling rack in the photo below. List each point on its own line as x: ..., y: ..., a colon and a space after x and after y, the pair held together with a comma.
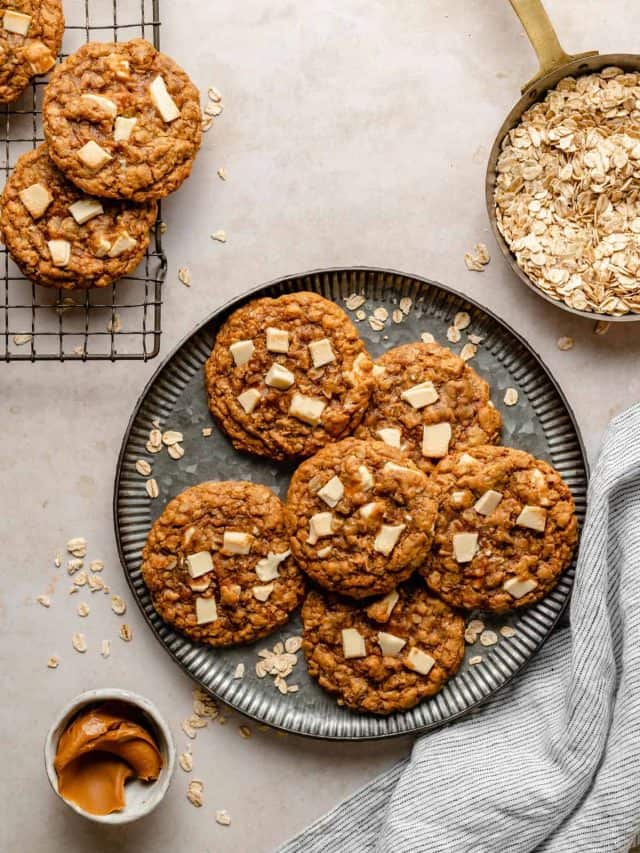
x: 122, y: 321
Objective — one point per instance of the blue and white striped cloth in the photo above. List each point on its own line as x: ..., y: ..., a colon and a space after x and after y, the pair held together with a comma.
x: 552, y: 763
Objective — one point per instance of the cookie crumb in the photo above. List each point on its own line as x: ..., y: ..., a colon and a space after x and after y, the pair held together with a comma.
x: 565, y: 343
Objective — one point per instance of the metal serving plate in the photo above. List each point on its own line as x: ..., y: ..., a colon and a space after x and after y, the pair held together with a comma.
x: 541, y: 423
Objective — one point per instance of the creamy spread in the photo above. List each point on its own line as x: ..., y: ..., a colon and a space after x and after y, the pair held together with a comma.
x: 98, y: 752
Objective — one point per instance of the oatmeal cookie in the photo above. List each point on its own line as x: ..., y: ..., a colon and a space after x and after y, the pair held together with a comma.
x: 506, y: 529
x: 288, y: 375
x: 428, y: 402
x: 360, y: 516
x: 30, y: 38
x: 386, y: 657
x: 122, y: 120
x: 61, y: 238
x: 218, y: 566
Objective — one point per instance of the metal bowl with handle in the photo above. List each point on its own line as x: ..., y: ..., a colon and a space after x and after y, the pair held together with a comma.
x: 555, y: 64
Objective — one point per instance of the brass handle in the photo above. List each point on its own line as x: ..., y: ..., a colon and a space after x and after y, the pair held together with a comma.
x: 543, y: 38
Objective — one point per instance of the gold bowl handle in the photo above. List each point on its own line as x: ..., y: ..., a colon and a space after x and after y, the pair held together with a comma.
x: 543, y: 38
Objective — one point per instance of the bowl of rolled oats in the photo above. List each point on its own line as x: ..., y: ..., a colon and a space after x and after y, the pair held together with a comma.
x: 563, y: 180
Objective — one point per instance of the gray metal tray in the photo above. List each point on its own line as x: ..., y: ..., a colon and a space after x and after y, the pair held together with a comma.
x: 541, y: 423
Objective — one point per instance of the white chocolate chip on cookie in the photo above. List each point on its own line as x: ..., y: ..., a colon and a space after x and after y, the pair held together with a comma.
x: 163, y: 101
x: 387, y: 538
x: 241, y: 352
x: 421, y: 395
x: 435, y: 440
x: 36, y: 199
x: 465, y: 546
x: 332, y: 491
x: 353, y: 645
x: 533, y: 517
x: 93, y: 155
x: 277, y: 340
x: 321, y: 352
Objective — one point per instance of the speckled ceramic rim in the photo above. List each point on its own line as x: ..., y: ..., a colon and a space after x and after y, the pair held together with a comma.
x: 258, y: 699
x: 156, y: 790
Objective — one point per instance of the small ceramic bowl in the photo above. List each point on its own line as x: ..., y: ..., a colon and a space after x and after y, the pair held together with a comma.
x: 141, y: 797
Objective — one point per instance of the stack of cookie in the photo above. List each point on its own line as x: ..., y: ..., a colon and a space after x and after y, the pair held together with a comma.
x: 122, y: 125
x: 405, y: 514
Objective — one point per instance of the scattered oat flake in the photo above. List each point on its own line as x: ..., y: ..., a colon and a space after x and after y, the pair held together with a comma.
x: 155, y: 437
x: 488, y: 638
x: 57, y: 561
x: 118, y: 605
x: 162, y: 227
x: 53, y: 662
x: 220, y: 236
x: 293, y: 688
x: 214, y: 95
x: 207, y: 431
x: 222, y: 174
x: 508, y: 631
x: 19, y: 340
x: 397, y: 316
x: 207, y: 123
x: 381, y: 313
x: 470, y: 636
x: 453, y: 334
x: 565, y: 343
x: 96, y: 565
x: 462, y: 320
x: 143, y: 467
x: 475, y: 339
x: 472, y: 263
x: 153, y: 448
x: 96, y: 583
x: 468, y: 352
x: 184, y: 274
x: 213, y: 110
x: 601, y: 327
x: 82, y: 609
x: 405, y: 304
x: 194, y: 792
x: 281, y: 684
x: 115, y: 324
x: 293, y: 644
x: 77, y: 546
x: 44, y: 600
x: 185, y: 760
x: 80, y: 578
x: 152, y: 488
x: 360, y: 315
x: 476, y: 625
x: 427, y: 338
x: 475, y: 660
x: 125, y: 633
x: 105, y: 648
x: 376, y: 325
x: 238, y: 673
x: 510, y: 397
x: 171, y: 436
x: 188, y: 729
x: 223, y: 817
x: 354, y: 301
x: 244, y: 731
x: 175, y: 451
x: 79, y: 642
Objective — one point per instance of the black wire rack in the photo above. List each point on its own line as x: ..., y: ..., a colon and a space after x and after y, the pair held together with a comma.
x: 122, y: 321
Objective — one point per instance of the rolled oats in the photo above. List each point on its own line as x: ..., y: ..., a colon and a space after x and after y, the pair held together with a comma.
x: 185, y: 760
x: 510, y: 397
x: 118, y: 605
x: 53, y: 662
x: 44, y: 600
x: 223, y: 817
x: 125, y: 633
x: 105, y: 648
x: 143, y: 467
x: 565, y: 343
x: 79, y: 642
x: 184, y: 275
x: 82, y: 609
x: 195, y: 792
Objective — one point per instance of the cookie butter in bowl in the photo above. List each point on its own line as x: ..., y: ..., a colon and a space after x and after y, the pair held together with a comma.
x: 110, y: 756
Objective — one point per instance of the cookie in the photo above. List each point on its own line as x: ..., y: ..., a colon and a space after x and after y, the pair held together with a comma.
x: 506, y: 529
x: 360, y: 516
x: 30, y: 39
x: 385, y: 657
x: 288, y: 375
x: 122, y: 120
x: 61, y: 238
x: 218, y: 566
x: 428, y: 402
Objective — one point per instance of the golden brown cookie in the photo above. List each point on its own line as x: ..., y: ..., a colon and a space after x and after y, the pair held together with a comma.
x: 30, y: 38
x: 59, y: 237
x: 288, y: 375
x: 218, y: 566
x: 428, y: 402
x: 122, y: 120
x: 505, y: 531
x: 360, y: 515
x: 385, y: 657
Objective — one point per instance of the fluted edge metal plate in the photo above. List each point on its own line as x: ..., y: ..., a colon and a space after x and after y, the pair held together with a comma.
x: 541, y: 423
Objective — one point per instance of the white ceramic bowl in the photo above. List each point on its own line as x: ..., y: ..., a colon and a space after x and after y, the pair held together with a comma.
x: 141, y: 797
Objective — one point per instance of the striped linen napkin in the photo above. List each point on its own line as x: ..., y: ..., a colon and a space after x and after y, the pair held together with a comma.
x: 552, y: 763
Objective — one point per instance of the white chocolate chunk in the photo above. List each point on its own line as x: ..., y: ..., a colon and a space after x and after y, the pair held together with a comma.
x: 533, y: 517
x: 236, y: 542
x: 378, y: 370
x: 353, y: 643
x: 60, y: 251
x: 279, y: 377
x: 123, y: 128
x: 390, y: 644
x: 421, y: 395
x: 85, y: 209
x: 435, y: 440
x: 324, y: 552
x: 16, y: 22
x: 387, y: 538
x: 465, y: 546
x: 93, y: 155
x: 249, y: 399
x: 199, y: 564
x: 457, y: 498
x: 321, y: 352
x: 277, y: 340
x: 306, y: 409
x: 241, y: 352
x: 392, y: 468
x: 123, y: 243
x: 106, y: 104
x: 366, y: 478
x: 488, y: 502
x: 381, y: 610
x: 332, y: 491
x: 517, y: 588
x: 36, y: 199
x: 320, y: 524
x: 206, y: 610
x: 390, y: 436
x: 267, y: 567
x: 262, y: 593
x: 419, y: 661
x: 163, y: 101
x: 367, y: 510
